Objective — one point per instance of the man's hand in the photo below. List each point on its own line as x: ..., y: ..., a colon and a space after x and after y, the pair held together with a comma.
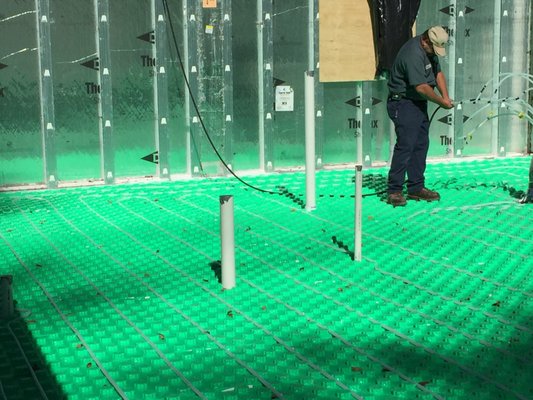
x: 428, y: 93
x: 447, y: 103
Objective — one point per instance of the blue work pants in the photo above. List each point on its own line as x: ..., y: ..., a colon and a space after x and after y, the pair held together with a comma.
x: 411, y: 123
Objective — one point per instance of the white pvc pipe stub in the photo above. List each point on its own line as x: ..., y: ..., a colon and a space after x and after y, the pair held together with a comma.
x: 358, y: 221
x: 227, y: 240
x: 310, y: 180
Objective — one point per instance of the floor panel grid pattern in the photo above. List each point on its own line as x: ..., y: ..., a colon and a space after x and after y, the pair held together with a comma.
x: 118, y: 295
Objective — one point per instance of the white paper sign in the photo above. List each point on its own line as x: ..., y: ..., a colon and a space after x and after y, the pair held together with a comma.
x: 284, y: 98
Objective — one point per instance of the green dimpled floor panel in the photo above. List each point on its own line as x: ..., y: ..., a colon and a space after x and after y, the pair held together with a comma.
x: 116, y: 290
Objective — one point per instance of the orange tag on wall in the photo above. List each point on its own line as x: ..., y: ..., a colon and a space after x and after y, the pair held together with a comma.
x: 209, y: 3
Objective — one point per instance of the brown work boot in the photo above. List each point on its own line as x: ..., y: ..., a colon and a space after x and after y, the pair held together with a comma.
x: 424, y: 194
x: 396, y: 199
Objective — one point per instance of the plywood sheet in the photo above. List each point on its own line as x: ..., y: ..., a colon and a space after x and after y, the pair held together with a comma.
x: 346, y: 42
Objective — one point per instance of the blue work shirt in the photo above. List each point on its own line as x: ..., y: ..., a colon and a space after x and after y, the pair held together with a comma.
x: 412, y: 67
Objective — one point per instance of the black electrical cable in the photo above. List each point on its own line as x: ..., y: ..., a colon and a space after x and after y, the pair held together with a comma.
x: 193, y: 100
x: 433, y: 115
x: 196, y: 108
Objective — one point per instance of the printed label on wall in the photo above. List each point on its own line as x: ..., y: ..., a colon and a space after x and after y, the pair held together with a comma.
x: 284, y: 98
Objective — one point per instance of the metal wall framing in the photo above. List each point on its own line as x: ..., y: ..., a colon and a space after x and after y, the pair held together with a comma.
x: 105, y: 92
x: 46, y: 92
x: 110, y: 102
x: 161, y: 55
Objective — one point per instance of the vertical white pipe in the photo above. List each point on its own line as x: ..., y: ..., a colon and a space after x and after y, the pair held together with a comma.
x: 311, y: 36
x: 227, y: 239
x: 358, y: 211
x: 260, y: 85
x: 496, y: 73
x: 310, y: 187
x: 310, y: 131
